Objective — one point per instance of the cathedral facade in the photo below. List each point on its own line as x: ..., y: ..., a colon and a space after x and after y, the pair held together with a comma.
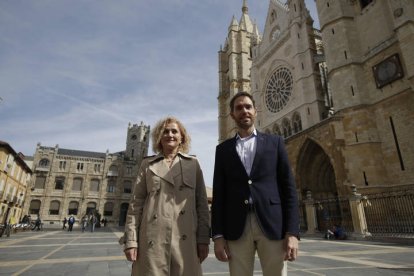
x: 342, y: 96
x: 72, y: 182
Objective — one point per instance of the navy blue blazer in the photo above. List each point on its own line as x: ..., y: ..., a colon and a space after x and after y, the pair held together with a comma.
x: 272, y: 189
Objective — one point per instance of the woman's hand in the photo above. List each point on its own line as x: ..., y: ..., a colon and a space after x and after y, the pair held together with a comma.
x: 202, y: 251
x: 131, y: 254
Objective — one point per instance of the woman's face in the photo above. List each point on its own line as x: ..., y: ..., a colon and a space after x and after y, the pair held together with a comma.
x: 171, y: 137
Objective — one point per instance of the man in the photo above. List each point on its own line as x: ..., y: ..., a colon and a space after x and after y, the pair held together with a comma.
x: 255, y: 206
x: 71, y: 222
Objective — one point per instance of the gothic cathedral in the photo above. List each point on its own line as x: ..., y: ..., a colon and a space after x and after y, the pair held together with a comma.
x: 342, y: 96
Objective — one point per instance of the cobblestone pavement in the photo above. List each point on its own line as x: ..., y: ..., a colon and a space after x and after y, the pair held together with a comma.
x: 75, y: 253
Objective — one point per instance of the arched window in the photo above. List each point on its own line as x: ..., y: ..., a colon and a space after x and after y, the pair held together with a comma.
x: 90, y: 208
x: 34, y: 208
x: 94, y: 186
x: 54, y: 207
x: 297, y: 122
x: 73, y: 208
x: 127, y: 187
x: 113, y: 170
x: 287, y: 129
x: 77, y: 184
x: 276, y: 130
x: 108, y: 209
x: 44, y: 163
x: 111, y: 186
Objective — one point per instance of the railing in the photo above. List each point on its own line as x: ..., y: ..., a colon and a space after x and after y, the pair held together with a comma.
x: 334, y: 211
x: 390, y: 214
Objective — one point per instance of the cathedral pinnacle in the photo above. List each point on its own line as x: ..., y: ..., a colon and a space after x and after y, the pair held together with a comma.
x: 245, y: 9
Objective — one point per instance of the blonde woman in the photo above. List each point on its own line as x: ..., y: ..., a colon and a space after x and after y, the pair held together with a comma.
x: 167, y: 226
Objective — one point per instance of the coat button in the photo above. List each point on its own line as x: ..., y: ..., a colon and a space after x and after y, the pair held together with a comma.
x: 182, y: 212
x: 184, y: 237
x: 246, y: 202
x: 250, y: 182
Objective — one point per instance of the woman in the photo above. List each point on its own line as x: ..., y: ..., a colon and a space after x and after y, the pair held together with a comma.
x: 167, y: 226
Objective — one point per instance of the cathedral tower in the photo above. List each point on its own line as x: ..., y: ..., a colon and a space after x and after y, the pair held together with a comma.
x: 235, y: 60
x: 369, y: 46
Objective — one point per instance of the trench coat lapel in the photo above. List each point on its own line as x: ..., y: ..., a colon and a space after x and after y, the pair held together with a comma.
x: 159, y: 168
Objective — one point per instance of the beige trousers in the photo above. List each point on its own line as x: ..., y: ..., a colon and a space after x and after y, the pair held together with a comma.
x: 271, y: 252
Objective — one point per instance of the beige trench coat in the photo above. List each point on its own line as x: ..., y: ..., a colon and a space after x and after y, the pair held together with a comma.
x: 167, y: 216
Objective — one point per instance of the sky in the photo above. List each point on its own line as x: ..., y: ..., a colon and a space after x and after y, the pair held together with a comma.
x: 76, y: 72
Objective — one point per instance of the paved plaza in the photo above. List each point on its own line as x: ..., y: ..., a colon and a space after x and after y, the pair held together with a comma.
x: 57, y: 252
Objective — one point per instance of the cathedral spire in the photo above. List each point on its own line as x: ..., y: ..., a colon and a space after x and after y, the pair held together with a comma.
x: 245, y: 9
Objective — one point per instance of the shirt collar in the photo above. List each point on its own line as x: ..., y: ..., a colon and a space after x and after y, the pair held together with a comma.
x: 254, y: 134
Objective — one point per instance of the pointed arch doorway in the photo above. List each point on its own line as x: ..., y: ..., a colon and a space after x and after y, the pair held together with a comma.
x: 316, y: 174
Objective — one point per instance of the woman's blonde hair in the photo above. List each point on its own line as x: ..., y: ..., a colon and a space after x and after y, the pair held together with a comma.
x: 159, y: 130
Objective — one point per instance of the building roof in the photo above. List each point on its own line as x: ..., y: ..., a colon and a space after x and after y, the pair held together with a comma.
x: 82, y: 153
x: 18, y: 157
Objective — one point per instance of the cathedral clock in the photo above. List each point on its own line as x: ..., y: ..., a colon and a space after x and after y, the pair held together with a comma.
x: 278, y: 89
x: 388, y: 71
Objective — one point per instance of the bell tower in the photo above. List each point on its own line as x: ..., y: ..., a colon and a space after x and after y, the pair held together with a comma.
x: 137, y: 142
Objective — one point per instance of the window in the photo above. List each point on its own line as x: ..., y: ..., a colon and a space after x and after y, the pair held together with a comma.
x: 54, y: 207
x: 97, y: 168
x: 132, y: 153
x: 113, y: 170
x: 94, y: 186
x: 79, y: 166
x: 287, y: 129
x: 40, y: 182
x: 73, y: 208
x: 127, y: 187
x: 62, y: 165
x: 278, y: 90
x: 44, y: 163
x: 77, y: 184
x: 276, y: 130
x: 34, y: 208
x: 111, y: 186
x: 129, y: 170
x: 108, y: 208
x: 297, y: 123
x: 59, y: 183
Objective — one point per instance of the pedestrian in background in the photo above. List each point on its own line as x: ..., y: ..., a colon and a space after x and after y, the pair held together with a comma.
x: 169, y: 208
x: 71, y: 222
x: 93, y: 222
x: 84, y: 223
x: 255, y: 205
x: 64, y: 223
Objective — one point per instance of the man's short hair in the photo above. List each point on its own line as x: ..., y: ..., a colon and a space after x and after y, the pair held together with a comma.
x: 241, y: 94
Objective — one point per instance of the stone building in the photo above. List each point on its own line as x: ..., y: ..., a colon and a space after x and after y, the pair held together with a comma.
x: 342, y: 97
x: 15, y: 177
x: 73, y: 182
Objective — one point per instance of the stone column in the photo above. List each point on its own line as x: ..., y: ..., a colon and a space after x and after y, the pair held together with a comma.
x: 358, y: 214
x: 310, y: 213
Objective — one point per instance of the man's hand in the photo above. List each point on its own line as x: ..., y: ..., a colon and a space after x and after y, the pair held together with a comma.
x: 131, y: 254
x: 202, y: 251
x: 291, y: 245
x: 221, y: 250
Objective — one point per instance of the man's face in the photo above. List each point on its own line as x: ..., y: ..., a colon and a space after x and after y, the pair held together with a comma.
x: 244, y: 113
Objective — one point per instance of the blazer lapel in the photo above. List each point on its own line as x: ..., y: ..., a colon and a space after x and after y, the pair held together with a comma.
x: 260, y: 141
x: 235, y: 156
